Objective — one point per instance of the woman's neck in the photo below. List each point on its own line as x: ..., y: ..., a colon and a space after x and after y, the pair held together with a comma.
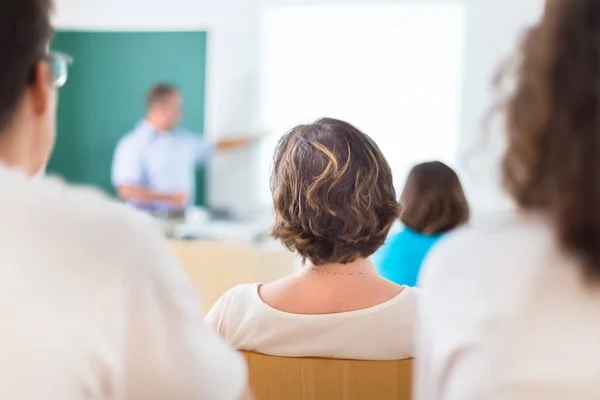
x: 15, y: 153
x: 362, y: 266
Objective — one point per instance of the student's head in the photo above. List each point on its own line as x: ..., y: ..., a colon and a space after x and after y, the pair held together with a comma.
x: 433, y: 201
x: 27, y: 90
x: 333, y: 193
x: 165, y: 106
x: 552, y: 163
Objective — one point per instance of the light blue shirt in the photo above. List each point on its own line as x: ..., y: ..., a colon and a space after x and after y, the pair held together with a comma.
x: 400, y: 259
x: 163, y: 162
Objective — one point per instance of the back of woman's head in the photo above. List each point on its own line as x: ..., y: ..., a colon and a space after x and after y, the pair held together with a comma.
x: 333, y: 193
x: 552, y: 164
x: 433, y: 200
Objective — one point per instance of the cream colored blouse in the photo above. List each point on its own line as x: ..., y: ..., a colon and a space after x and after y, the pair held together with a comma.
x: 382, y: 332
x: 505, y: 314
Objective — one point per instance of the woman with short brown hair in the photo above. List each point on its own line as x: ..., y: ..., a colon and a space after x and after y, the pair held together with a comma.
x: 334, y: 204
x: 433, y: 204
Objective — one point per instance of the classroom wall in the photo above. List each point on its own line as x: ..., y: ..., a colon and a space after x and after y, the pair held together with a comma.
x: 233, y: 92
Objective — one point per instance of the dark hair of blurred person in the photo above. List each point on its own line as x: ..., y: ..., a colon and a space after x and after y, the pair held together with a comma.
x: 164, y: 106
x: 433, y: 200
x: 551, y: 165
x: 27, y: 96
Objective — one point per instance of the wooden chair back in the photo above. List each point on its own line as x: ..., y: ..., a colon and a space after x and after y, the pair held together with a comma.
x: 278, y: 378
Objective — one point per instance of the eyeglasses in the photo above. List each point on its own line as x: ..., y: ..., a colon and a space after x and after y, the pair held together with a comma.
x: 59, y: 63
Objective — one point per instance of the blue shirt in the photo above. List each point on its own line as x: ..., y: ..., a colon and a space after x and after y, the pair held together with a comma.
x: 400, y: 259
x: 163, y: 162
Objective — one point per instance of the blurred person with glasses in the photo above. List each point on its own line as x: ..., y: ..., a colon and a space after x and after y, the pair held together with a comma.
x: 93, y: 303
x: 511, y: 306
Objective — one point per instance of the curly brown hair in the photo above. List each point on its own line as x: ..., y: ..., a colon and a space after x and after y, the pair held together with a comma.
x: 333, y: 193
x: 433, y: 200
x: 552, y: 163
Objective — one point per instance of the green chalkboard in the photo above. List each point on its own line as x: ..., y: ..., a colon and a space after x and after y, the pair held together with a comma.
x: 104, y: 97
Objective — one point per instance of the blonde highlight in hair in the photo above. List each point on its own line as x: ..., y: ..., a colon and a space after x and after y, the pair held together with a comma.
x: 333, y: 193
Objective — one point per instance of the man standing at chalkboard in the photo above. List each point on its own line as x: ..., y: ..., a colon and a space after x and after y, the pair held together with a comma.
x: 154, y: 166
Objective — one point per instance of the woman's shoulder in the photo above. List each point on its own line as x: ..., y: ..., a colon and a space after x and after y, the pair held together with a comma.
x: 235, y: 298
x: 231, y: 307
x: 242, y: 294
x: 408, y: 297
x: 403, y: 304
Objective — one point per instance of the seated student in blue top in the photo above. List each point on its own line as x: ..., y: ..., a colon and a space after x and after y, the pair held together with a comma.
x: 433, y: 203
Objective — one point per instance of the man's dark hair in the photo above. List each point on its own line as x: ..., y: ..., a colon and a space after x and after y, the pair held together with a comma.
x: 159, y: 93
x: 25, y: 31
x: 333, y: 193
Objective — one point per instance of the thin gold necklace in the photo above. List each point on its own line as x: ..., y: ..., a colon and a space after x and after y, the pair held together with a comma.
x: 313, y: 269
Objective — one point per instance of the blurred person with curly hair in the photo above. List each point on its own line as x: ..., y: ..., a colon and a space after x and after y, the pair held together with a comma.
x: 335, y: 203
x: 511, y: 307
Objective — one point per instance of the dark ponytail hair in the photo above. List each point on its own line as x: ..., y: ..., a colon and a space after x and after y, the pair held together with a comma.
x: 552, y: 164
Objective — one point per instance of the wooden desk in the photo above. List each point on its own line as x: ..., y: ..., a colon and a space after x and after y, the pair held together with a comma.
x: 216, y: 267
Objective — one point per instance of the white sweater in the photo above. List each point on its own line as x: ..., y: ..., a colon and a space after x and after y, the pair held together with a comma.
x: 94, y: 305
x: 505, y: 315
x: 382, y: 332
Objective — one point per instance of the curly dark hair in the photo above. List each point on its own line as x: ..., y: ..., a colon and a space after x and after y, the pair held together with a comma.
x: 333, y: 193
x: 433, y: 200
x: 552, y: 163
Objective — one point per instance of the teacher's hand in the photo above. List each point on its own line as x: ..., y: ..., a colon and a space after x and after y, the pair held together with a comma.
x: 179, y: 200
